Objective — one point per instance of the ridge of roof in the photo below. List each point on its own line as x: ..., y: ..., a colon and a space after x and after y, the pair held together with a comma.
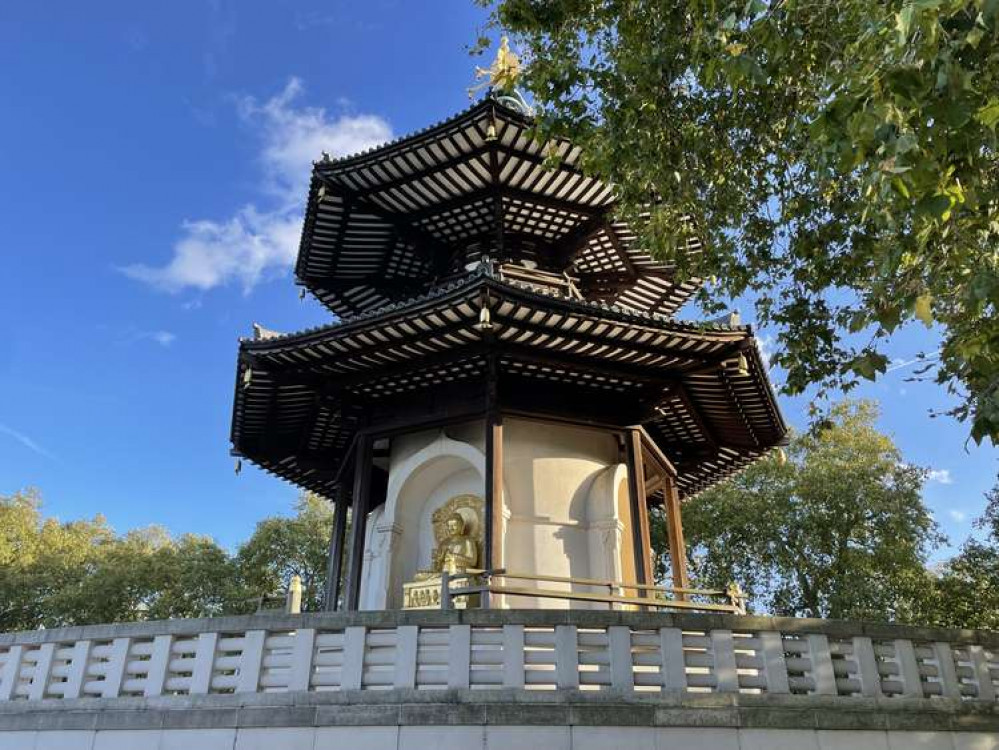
x: 487, y: 102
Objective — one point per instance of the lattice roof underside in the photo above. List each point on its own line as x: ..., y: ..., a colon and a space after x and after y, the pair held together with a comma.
x: 293, y: 417
x: 387, y: 224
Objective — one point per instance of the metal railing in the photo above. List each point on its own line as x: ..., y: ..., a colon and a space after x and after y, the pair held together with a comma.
x: 650, y: 596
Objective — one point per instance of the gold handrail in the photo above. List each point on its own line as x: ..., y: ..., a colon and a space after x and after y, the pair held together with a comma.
x: 736, y: 599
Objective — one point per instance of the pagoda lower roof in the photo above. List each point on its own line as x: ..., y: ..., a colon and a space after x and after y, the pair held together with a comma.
x: 700, y: 390
x: 387, y: 224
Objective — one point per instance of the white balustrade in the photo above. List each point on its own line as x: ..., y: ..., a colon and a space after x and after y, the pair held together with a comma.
x: 527, y: 654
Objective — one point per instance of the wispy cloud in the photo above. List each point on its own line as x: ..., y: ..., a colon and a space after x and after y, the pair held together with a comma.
x: 957, y: 515
x: 257, y: 243
x: 900, y: 363
x: 26, y: 441
x: 940, y: 476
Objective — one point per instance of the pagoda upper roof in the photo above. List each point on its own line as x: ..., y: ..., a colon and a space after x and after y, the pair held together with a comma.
x: 700, y: 390
x: 388, y: 224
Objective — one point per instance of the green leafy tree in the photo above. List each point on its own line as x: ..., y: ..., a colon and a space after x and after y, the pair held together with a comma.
x: 837, y: 529
x: 836, y: 159
x: 283, y: 547
x: 967, y: 591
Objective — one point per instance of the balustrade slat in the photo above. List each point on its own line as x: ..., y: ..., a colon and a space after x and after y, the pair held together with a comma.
x: 822, y: 668
x: 157, y: 669
x: 776, y: 670
x: 77, y: 670
x: 40, y: 678
x: 352, y: 672
x: 250, y: 661
x: 566, y: 656
x: 513, y: 656
x: 11, y: 672
x: 459, y: 656
x: 621, y: 664
x: 405, y: 656
x: 300, y: 674
x: 674, y: 668
x: 204, y: 664
x: 724, y: 661
x: 114, y: 674
x: 906, y: 655
x: 983, y: 675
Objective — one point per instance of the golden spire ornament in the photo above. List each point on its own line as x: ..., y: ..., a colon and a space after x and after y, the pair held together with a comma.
x: 502, y: 75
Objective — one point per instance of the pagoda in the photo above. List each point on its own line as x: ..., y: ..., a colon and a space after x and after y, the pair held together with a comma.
x: 505, y: 387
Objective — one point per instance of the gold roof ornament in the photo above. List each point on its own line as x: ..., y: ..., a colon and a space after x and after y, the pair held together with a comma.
x: 501, y: 79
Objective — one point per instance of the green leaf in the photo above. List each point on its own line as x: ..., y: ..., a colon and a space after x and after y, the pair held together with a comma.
x: 923, y: 309
x: 989, y: 114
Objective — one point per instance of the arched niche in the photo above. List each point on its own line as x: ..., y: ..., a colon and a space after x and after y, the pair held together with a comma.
x: 418, y: 484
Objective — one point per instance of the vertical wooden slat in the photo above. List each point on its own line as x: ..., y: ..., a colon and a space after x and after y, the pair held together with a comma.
x: 11, y: 673
x: 459, y: 656
x: 115, y: 674
x: 250, y: 661
x: 639, y: 507
x: 159, y: 662
x: 513, y: 656
x: 300, y: 672
x: 723, y: 651
x: 406, y: 637
x: 493, y: 543
x: 621, y: 661
x: 204, y: 664
x: 334, y: 569
x: 912, y: 685
x: 361, y: 501
x: 77, y: 672
x: 566, y: 656
x: 43, y: 666
x: 352, y: 669
x: 776, y: 667
x: 822, y: 667
x: 674, y: 672
x: 674, y: 535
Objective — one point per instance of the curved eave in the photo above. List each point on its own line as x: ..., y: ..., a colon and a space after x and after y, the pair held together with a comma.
x: 292, y: 419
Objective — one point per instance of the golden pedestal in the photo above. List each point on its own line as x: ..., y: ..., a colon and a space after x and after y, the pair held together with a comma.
x: 426, y: 594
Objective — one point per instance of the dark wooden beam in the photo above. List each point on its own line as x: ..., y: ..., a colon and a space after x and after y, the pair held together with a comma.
x: 334, y: 569
x: 362, y: 500
x: 639, y: 507
x: 674, y: 535
x: 566, y: 249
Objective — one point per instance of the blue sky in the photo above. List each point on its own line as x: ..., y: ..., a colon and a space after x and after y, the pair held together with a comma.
x: 153, y: 159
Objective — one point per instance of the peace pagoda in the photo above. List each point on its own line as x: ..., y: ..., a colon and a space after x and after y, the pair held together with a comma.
x: 505, y: 388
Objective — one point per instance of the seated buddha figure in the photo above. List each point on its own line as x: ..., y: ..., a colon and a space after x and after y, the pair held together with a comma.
x: 457, y: 551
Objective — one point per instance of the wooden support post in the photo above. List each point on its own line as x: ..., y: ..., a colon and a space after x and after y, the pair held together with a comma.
x: 494, y: 493
x: 674, y: 535
x: 334, y: 568
x: 361, y: 503
x: 639, y: 507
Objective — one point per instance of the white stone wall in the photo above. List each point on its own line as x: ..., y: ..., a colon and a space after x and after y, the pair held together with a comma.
x: 561, y: 514
x: 496, y: 738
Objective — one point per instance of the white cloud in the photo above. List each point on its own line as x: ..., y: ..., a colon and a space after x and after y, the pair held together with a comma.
x: 957, y: 515
x: 940, y: 476
x: 24, y: 440
x: 253, y: 243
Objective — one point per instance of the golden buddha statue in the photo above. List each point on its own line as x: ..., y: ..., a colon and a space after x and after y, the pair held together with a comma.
x: 456, y: 550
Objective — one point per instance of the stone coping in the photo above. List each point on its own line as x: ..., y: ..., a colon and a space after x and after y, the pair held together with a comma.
x: 498, y: 617
x: 500, y: 707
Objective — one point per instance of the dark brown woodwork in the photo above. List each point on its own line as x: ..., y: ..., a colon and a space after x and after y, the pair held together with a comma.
x: 361, y: 502
x: 639, y: 507
x: 334, y: 569
x: 674, y: 536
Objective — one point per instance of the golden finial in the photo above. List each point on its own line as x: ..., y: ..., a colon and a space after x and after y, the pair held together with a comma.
x: 502, y: 75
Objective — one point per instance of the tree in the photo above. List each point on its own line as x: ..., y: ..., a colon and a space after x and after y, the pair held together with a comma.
x: 836, y: 159
x: 283, y: 547
x: 838, y: 529
x: 967, y: 591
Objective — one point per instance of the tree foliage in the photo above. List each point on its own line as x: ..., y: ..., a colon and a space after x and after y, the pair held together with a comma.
x: 838, y: 160
x: 54, y: 574
x: 838, y: 529
x: 967, y: 590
